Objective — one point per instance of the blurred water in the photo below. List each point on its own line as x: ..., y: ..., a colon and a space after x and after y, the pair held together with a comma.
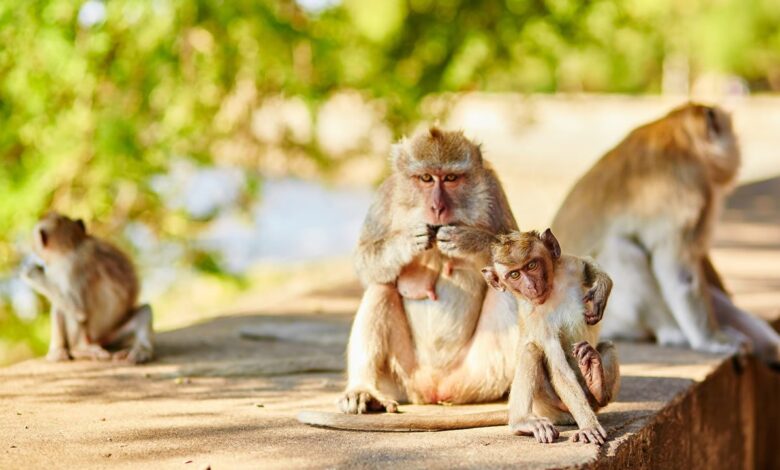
x: 289, y: 221
x: 292, y: 221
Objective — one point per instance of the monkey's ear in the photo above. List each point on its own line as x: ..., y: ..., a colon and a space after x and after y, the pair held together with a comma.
x: 491, y: 276
x: 80, y: 223
x: 551, y: 243
x: 43, y: 236
x: 713, y: 125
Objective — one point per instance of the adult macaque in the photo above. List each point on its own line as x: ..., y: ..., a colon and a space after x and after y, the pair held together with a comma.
x: 431, y: 225
x: 93, y: 289
x: 646, y: 212
x: 560, y: 376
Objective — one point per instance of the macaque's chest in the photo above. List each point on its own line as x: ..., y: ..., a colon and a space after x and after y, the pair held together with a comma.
x: 560, y: 320
x: 441, y: 323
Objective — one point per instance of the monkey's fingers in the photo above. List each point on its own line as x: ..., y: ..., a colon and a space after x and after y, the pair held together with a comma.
x: 578, y: 348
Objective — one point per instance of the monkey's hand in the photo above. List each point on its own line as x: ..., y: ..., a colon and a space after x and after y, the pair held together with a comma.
x: 362, y: 401
x: 595, y: 435
x: 34, y: 276
x: 541, y: 428
x: 595, y: 303
x: 460, y: 241
x: 420, y: 238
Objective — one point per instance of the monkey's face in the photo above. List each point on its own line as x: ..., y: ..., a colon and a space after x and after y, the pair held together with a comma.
x: 531, y: 278
x: 440, y: 193
x: 524, y: 263
x: 55, y: 235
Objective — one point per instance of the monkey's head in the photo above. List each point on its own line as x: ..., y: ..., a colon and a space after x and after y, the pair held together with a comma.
x: 705, y: 132
x: 440, y: 171
x: 524, y: 263
x: 56, y: 234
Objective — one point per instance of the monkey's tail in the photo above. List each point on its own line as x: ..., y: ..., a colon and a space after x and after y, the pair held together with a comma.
x: 400, y: 422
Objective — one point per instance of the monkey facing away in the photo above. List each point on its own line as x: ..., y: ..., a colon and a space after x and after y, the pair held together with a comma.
x: 560, y: 376
x: 93, y: 289
x: 646, y: 213
x: 428, y: 330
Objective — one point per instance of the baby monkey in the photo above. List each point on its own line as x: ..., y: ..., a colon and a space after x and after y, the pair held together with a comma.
x: 418, y: 280
x: 560, y: 376
x: 93, y: 289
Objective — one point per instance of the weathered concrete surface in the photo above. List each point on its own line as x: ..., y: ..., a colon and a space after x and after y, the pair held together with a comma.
x: 225, y: 393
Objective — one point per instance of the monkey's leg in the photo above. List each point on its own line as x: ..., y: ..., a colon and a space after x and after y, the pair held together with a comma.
x: 81, y: 346
x: 380, y: 343
x: 139, y: 328
x: 529, y: 377
x: 634, y: 288
x: 58, y: 343
x: 683, y: 287
x: 600, y: 369
x: 766, y: 341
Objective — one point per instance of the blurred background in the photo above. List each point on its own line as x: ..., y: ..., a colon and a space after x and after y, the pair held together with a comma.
x: 232, y: 146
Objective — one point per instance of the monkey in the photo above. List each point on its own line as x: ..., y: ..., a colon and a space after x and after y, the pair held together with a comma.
x: 458, y: 347
x: 560, y: 376
x: 646, y: 212
x: 93, y: 288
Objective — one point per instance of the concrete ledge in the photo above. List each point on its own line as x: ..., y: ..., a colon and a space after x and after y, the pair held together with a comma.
x: 217, y: 398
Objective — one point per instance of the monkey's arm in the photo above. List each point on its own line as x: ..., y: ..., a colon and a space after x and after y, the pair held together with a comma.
x: 36, y: 278
x: 599, y: 286
x: 565, y: 383
x: 461, y: 241
x: 403, y: 422
x: 382, y: 251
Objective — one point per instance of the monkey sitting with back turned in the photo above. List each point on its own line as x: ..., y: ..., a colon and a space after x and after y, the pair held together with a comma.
x: 559, y: 374
x: 93, y: 289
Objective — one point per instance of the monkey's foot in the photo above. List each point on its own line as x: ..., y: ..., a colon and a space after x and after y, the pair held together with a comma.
x: 541, y: 428
x: 58, y: 355
x: 134, y: 355
x: 595, y: 435
x: 92, y: 351
x: 361, y: 401
x: 724, y: 343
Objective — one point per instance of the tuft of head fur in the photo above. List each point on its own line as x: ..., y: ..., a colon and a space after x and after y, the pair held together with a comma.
x: 436, y: 150
x: 514, y: 247
x: 696, y: 131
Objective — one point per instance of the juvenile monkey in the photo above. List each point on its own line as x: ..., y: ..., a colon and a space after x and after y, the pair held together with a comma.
x: 93, y: 289
x: 560, y: 376
x: 457, y: 346
x: 646, y: 212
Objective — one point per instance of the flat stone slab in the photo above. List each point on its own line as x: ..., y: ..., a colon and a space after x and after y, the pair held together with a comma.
x: 216, y: 397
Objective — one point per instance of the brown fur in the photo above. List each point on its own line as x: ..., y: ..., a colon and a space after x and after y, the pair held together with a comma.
x: 559, y: 376
x: 646, y: 210
x: 93, y: 289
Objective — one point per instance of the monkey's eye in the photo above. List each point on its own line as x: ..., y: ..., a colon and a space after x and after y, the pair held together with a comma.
x: 450, y: 177
x: 531, y: 266
x: 426, y: 178
x: 514, y: 274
